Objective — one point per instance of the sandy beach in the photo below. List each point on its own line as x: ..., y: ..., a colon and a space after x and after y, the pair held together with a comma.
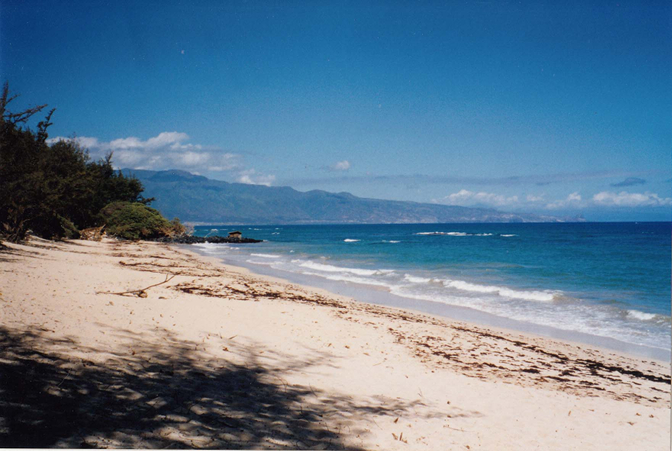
x: 216, y: 357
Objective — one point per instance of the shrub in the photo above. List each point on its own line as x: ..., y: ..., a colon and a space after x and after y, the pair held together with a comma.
x: 135, y: 221
x: 177, y: 228
x: 52, y: 188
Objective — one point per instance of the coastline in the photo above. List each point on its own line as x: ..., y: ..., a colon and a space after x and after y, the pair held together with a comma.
x: 521, y: 277
x: 384, y: 298
x: 306, y: 368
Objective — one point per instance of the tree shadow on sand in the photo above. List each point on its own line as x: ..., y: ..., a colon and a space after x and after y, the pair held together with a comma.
x: 163, y: 396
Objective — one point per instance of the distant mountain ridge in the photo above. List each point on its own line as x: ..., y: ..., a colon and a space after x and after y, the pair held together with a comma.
x: 197, y: 199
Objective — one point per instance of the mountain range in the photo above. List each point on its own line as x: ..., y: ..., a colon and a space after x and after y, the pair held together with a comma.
x: 198, y: 200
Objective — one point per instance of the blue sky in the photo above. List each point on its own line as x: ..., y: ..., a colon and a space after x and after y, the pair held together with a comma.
x: 558, y: 108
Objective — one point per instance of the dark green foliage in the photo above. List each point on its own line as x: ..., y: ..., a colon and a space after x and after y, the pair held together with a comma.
x: 136, y: 221
x: 52, y: 190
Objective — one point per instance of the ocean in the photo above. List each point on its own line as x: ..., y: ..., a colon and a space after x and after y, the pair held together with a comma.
x: 601, y: 283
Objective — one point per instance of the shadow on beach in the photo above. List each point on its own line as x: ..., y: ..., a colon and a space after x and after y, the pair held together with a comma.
x: 162, y: 396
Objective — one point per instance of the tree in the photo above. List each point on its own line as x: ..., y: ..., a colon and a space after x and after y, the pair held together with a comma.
x: 53, y: 190
x: 19, y: 179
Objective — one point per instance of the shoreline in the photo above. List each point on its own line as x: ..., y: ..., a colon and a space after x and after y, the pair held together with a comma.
x: 303, y: 368
x: 383, y: 297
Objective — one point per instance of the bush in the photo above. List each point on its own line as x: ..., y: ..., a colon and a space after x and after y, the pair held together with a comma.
x: 136, y: 221
x: 177, y: 227
x: 52, y: 188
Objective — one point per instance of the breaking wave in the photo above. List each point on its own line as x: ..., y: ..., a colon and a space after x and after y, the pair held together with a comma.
x: 455, y: 233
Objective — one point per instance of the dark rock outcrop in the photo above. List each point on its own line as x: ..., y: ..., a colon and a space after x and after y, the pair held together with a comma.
x: 188, y: 239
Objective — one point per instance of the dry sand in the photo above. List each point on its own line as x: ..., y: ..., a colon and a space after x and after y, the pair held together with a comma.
x: 220, y: 358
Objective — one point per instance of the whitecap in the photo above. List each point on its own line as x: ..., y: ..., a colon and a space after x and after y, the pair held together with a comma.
x: 212, y: 247
x: 454, y: 233
x: 336, y: 269
x: 415, y: 279
x: 544, y: 296
x: 641, y: 315
x: 265, y: 255
x: 344, y: 277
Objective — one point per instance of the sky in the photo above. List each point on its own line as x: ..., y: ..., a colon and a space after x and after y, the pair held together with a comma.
x: 559, y: 108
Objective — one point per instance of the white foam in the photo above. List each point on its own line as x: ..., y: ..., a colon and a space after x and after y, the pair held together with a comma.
x: 347, y: 278
x: 443, y: 233
x: 212, y: 247
x: 263, y: 262
x: 508, y: 235
x: 544, y: 296
x: 442, y: 298
x: 641, y: 315
x: 265, y: 255
x: 414, y: 279
x: 336, y: 269
x: 454, y: 233
x: 466, y: 286
x: 349, y: 240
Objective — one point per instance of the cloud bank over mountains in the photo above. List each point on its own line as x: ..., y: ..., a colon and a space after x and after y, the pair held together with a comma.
x: 573, y: 200
x: 171, y: 150
x: 465, y: 197
x: 424, y: 179
x: 624, y: 199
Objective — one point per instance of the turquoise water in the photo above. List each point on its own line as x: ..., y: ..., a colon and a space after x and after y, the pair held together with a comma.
x: 605, y: 279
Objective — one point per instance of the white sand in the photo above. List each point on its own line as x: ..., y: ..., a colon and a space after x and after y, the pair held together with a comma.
x: 221, y: 358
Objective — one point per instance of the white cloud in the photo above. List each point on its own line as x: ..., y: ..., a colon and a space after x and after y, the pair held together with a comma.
x: 465, y: 197
x: 611, y: 199
x: 532, y: 198
x: 573, y: 200
x: 340, y: 166
x: 84, y: 141
x: 250, y: 177
x: 170, y: 150
x: 625, y: 199
x: 167, y: 150
x: 168, y: 139
x: 129, y: 158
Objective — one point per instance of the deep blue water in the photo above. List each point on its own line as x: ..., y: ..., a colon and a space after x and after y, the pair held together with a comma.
x: 605, y: 279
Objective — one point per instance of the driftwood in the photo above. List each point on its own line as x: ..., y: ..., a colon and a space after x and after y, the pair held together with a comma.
x: 142, y: 292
